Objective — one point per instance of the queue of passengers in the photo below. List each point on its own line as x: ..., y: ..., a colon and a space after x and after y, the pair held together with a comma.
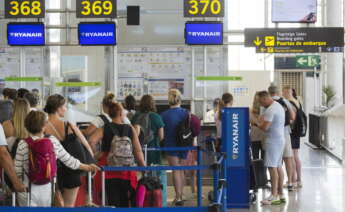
x: 25, y: 128
x: 27, y: 132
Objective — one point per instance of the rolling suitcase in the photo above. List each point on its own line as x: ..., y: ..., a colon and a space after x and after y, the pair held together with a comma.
x: 260, y: 173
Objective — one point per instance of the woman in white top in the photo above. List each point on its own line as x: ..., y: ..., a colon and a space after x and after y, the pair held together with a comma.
x: 103, y: 118
x: 35, y: 124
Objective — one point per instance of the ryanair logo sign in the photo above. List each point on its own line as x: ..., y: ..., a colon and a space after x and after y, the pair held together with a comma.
x: 26, y: 34
x: 235, y: 136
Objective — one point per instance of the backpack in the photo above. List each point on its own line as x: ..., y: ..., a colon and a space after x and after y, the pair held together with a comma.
x: 104, y: 119
x: 121, y: 148
x: 149, y: 193
x: 184, y: 133
x: 146, y: 134
x: 299, y: 127
x: 42, y: 161
x: 76, y: 149
x: 286, y: 109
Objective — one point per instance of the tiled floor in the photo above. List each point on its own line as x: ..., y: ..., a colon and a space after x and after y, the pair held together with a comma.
x: 323, y: 190
x: 323, y: 187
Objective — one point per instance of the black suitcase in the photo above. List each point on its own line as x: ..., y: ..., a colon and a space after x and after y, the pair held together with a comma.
x: 260, y: 173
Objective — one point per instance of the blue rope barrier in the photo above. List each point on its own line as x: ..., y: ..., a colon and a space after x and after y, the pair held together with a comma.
x: 173, y: 149
x: 153, y: 168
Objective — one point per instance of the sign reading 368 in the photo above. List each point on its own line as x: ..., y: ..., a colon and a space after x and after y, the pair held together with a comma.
x: 24, y: 8
x: 96, y: 8
x: 203, y: 8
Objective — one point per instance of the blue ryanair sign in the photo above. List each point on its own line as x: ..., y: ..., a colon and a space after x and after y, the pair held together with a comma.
x: 235, y: 135
x: 204, y: 33
x: 25, y: 34
x: 97, y: 33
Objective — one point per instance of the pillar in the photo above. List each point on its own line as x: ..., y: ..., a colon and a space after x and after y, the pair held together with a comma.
x: 334, y: 66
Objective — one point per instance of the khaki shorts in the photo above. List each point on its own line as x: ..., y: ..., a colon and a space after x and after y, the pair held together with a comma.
x: 288, y: 153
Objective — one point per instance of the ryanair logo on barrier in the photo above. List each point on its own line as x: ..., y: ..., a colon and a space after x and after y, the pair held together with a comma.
x: 26, y: 34
x: 235, y: 136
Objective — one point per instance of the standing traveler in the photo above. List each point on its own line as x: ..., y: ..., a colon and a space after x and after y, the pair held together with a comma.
x: 150, y: 128
x: 257, y: 136
x: 172, y: 118
x: 120, y: 147
x: 6, y: 105
x: 104, y: 117
x: 21, y: 92
x: 210, y: 115
x: 298, y: 130
x: 289, y: 118
x: 129, y: 106
x: 272, y: 122
x: 69, y: 136
x: 15, y: 128
x: 226, y: 102
x: 7, y: 164
x: 33, y: 100
x: 30, y: 164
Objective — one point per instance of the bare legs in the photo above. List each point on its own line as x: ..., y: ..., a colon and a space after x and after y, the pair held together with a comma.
x: 298, y: 166
x: 289, y: 169
x: 178, y: 177
x: 70, y: 196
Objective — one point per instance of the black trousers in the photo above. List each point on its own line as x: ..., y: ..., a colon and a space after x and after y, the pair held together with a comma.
x: 256, y: 149
x: 119, y: 193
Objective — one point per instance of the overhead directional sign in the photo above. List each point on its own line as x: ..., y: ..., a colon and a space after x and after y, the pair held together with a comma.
x: 308, y: 61
x: 295, y: 40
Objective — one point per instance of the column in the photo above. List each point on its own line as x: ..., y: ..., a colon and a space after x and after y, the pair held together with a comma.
x: 334, y: 66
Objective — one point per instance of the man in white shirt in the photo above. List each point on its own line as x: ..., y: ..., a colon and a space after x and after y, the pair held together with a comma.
x: 272, y: 122
x: 290, y: 116
x: 7, y: 164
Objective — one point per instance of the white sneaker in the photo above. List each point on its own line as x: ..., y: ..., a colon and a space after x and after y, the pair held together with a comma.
x: 271, y: 200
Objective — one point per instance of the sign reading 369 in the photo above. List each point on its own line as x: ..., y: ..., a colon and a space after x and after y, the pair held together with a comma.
x: 96, y: 8
x: 203, y: 8
x: 24, y: 8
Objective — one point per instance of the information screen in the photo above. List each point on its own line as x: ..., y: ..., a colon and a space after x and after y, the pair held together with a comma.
x: 97, y: 33
x: 300, y: 11
x: 204, y: 33
x: 25, y: 34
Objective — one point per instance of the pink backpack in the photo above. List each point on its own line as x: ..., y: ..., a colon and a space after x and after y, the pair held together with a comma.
x: 42, y: 161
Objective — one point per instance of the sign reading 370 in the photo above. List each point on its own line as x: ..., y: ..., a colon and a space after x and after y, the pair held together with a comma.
x: 96, y: 8
x: 24, y: 8
x: 203, y: 8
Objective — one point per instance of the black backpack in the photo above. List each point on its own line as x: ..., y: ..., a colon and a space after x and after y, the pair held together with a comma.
x: 146, y: 134
x: 104, y: 119
x: 286, y: 109
x: 184, y: 133
x: 299, y: 127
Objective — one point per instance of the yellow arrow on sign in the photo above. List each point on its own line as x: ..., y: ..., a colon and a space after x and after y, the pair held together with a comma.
x: 257, y: 42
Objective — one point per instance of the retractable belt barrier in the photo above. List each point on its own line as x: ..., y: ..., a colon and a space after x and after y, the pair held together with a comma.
x: 219, y: 172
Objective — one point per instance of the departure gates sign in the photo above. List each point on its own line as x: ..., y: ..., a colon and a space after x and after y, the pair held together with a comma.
x: 96, y: 8
x: 295, y: 40
x: 24, y: 9
x: 203, y: 8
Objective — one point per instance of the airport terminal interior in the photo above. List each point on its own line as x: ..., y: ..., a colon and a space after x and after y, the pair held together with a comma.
x: 228, y: 105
